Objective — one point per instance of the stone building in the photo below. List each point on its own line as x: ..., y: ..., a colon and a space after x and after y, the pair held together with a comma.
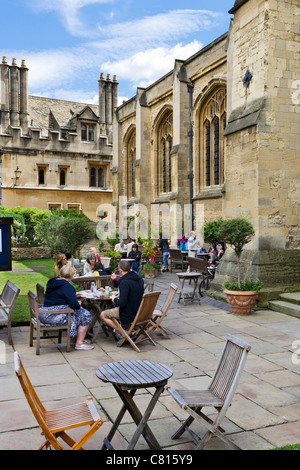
x: 54, y: 154
x: 227, y: 120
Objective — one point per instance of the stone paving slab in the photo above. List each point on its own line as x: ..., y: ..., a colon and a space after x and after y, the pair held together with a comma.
x: 265, y: 411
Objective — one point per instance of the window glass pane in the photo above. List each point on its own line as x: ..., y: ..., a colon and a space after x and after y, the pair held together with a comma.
x: 93, y: 177
x: 83, y: 133
x: 41, y: 176
x: 62, y: 178
x: 100, y: 178
x: 91, y: 134
x: 207, y: 153
x: 217, y: 150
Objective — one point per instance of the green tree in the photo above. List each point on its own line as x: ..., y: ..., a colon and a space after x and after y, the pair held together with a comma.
x: 211, y: 232
x: 237, y: 233
x: 64, y: 233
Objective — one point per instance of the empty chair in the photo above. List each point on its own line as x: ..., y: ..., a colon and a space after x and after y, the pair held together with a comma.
x: 218, y: 395
x: 142, y: 322
x: 54, y: 423
x: 148, y: 285
x: 8, y: 299
x: 159, y: 314
x: 200, y: 266
x: 39, y: 327
x: 176, y: 259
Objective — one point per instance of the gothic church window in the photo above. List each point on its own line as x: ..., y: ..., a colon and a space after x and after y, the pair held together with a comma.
x: 212, y: 125
x: 131, y: 159
x: 165, y: 140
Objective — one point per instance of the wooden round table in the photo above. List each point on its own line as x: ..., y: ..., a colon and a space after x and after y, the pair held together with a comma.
x: 127, y: 377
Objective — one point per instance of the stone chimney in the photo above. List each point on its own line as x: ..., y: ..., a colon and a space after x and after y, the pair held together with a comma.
x: 14, y: 94
x: 5, y: 102
x: 108, y: 100
x: 24, y: 97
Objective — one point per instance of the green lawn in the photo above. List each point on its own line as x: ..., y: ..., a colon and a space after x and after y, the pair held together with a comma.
x: 26, y: 281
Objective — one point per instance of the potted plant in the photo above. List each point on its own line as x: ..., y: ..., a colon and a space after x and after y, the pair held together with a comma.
x: 241, y: 295
x: 149, y: 268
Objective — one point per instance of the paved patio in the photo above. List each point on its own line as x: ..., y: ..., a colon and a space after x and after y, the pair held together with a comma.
x: 265, y: 411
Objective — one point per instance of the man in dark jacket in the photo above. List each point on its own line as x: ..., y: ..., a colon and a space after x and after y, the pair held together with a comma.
x: 131, y: 290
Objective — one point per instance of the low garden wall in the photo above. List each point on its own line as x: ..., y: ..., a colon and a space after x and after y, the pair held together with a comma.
x: 34, y: 252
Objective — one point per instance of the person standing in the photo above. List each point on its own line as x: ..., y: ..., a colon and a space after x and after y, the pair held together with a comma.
x: 164, y: 248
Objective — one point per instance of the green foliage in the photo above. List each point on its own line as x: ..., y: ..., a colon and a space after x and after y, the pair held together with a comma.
x: 211, y: 232
x: 246, y: 285
x: 113, y: 239
x: 64, y: 233
x: 237, y: 233
x: 18, y: 227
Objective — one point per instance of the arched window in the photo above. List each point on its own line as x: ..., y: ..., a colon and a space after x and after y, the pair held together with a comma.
x: 41, y: 176
x: 164, y: 167
x: 97, y: 177
x: 212, y: 125
x: 131, y: 159
x: 62, y: 177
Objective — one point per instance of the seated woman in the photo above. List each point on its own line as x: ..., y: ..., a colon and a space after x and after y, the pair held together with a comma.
x: 136, y: 255
x: 60, y: 295
x: 61, y: 260
x: 91, y: 265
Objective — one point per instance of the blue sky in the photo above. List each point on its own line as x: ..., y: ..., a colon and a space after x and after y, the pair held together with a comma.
x: 67, y: 43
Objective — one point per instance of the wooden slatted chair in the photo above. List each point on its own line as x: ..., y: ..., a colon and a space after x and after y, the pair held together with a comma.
x: 54, y: 423
x: 8, y: 299
x: 218, y: 395
x: 200, y: 266
x: 142, y: 322
x: 159, y: 314
x: 41, y: 328
x: 176, y: 258
x: 148, y: 285
x: 40, y: 292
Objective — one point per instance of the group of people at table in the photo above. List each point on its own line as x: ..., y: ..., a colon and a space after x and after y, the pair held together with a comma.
x: 60, y: 294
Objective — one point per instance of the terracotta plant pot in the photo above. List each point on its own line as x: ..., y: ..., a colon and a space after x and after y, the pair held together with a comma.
x: 150, y: 273
x: 241, y: 302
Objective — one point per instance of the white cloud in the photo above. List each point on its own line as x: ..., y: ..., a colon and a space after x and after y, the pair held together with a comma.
x: 138, y: 51
x: 69, y: 12
x: 143, y: 68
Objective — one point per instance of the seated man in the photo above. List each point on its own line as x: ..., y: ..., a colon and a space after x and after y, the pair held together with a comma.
x: 131, y: 290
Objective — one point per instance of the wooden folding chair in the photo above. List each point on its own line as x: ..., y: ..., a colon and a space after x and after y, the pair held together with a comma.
x: 39, y: 327
x: 218, y: 395
x: 54, y: 423
x: 8, y: 299
x: 159, y: 315
x: 142, y: 322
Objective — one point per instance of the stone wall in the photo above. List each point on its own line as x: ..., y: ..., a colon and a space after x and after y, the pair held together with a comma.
x: 30, y: 252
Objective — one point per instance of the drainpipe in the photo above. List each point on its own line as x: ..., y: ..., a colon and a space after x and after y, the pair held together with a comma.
x: 190, y: 86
